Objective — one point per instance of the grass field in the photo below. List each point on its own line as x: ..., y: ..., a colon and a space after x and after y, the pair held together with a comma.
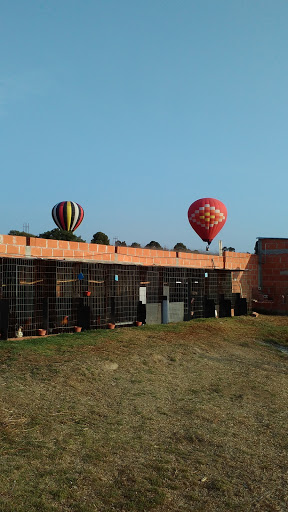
x: 184, y: 417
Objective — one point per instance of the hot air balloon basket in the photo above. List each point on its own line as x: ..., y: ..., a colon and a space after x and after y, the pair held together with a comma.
x: 111, y: 326
x: 42, y: 332
x: 77, y: 328
x: 138, y: 324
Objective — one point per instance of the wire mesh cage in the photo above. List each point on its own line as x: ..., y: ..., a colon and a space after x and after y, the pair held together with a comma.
x: 58, y: 295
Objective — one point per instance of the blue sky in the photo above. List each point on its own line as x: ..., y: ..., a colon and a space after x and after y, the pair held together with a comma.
x: 135, y: 109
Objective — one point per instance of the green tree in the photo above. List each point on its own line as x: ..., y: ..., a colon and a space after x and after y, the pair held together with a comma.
x: 14, y: 232
x: 180, y: 247
x: 120, y: 244
x: 229, y: 249
x: 60, y: 234
x: 100, y: 238
x: 153, y: 245
x: 135, y: 245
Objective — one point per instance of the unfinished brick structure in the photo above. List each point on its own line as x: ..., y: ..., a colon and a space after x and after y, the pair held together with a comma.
x: 271, y: 296
x: 18, y: 246
x: 34, y: 271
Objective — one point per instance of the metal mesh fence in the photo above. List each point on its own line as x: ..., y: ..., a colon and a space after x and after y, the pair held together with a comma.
x: 60, y: 294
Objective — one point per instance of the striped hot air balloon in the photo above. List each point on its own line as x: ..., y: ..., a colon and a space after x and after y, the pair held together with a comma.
x: 207, y: 217
x: 67, y: 215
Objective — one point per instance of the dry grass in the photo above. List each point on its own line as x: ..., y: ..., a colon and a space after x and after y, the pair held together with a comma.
x: 185, y: 417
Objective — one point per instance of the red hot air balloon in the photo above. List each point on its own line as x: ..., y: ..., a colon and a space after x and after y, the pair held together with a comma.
x: 67, y: 215
x: 207, y: 217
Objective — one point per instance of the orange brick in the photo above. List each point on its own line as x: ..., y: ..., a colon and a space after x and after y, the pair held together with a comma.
x: 64, y: 244
x: 38, y: 242
x: 122, y: 250
x: 33, y: 241
x: 93, y: 255
x: 110, y: 249
x: 124, y: 258
x: 86, y: 254
x: 12, y: 249
x: 104, y: 257
x: 172, y: 261
x: 131, y: 251
x: 78, y: 254
x: 74, y: 246
x: 101, y: 250
x: 218, y: 260
x: 36, y: 251
x: 83, y: 246
x: 68, y: 253
x: 20, y: 240
x: 184, y: 255
x: 47, y: 253
x: 8, y: 239
x: 98, y: 247
x: 153, y: 253
x: 58, y: 253
x: 3, y: 249
x: 159, y: 261
x: 52, y: 244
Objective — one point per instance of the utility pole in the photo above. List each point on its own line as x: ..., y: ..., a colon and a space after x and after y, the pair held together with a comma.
x: 220, y: 248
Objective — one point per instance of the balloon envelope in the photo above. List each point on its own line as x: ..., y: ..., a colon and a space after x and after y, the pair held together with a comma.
x: 68, y: 215
x: 207, y: 217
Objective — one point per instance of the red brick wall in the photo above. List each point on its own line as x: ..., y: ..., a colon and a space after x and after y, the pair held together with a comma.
x: 273, y: 270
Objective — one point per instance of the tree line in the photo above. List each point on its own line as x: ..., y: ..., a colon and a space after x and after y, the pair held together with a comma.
x: 98, y: 238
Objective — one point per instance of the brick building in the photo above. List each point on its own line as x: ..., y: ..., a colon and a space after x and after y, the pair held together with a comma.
x: 56, y: 284
x: 271, y: 296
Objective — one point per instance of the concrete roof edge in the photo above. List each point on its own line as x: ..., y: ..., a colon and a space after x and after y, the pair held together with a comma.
x: 271, y: 238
